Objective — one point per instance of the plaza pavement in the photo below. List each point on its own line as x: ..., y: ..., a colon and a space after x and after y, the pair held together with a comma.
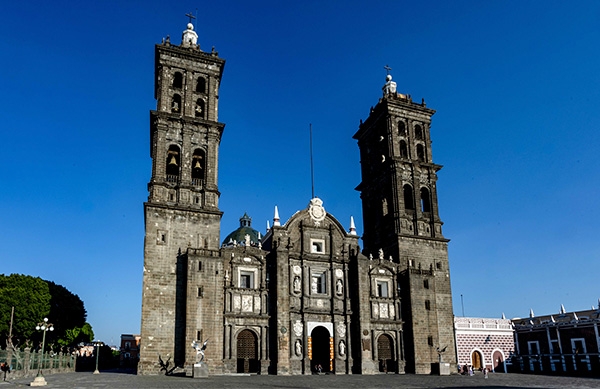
x: 131, y: 381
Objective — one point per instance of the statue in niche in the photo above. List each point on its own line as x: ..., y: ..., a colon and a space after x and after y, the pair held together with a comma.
x: 296, y: 284
x: 298, y: 348
x: 342, y: 348
x: 339, y: 287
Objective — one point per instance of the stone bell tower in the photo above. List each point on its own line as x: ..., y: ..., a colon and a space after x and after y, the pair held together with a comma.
x: 400, y: 213
x: 182, y: 210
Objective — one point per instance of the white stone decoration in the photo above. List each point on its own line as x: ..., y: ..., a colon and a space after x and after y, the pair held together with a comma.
x: 339, y: 273
x: 341, y: 330
x: 383, y: 310
x: 297, y: 270
x: 297, y: 327
x: 319, y: 303
x: 257, y: 304
x: 247, y: 303
x: 316, y: 210
x: 375, y: 310
x: 189, y: 36
x: 237, y: 302
x: 392, y: 311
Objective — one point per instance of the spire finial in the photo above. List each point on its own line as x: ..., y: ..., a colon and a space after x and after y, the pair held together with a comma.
x: 276, y: 217
x: 387, y: 69
x: 352, y: 226
x: 531, y: 314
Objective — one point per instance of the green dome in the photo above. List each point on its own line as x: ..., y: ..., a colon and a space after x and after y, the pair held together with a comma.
x: 239, y: 236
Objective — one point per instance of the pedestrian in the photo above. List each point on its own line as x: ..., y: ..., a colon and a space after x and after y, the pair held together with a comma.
x: 5, y: 369
x: 485, y: 373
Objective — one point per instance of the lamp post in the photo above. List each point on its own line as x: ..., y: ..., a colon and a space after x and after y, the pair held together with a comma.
x: 97, y: 343
x: 39, y: 380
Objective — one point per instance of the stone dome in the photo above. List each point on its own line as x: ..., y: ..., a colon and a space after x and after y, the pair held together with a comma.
x: 238, y: 237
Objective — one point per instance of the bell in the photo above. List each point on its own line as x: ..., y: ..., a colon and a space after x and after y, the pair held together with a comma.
x: 173, y: 161
x: 197, y: 165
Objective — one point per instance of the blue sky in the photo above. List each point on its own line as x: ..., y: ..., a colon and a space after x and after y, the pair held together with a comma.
x: 515, y: 84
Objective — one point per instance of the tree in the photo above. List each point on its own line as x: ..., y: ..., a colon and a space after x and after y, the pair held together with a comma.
x: 67, y: 313
x: 31, y: 298
x: 34, y: 299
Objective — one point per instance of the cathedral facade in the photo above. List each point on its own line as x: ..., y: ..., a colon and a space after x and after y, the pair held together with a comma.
x: 304, y: 297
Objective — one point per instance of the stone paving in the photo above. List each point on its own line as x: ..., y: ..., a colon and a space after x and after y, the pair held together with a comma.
x: 130, y: 381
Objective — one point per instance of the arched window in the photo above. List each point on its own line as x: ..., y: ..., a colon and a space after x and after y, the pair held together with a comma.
x: 401, y: 128
x: 173, y: 163
x: 201, y: 85
x: 176, y: 103
x: 177, y: 80
x: 403, y: 149
x: 418, y: 132
x: 425, y: 201
x: 199, y: 109
x: 408, y: 197
x: 198, y: 166
x: 420, y: 152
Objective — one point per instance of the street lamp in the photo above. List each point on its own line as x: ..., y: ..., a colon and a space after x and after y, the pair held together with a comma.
x: 97, y: 343
x: 39, y: 380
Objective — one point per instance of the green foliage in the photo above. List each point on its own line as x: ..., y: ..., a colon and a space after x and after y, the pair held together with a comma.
x: 77, y: 335
x: 31, y: 298
x: 67, y: 313
x: 34, y: 299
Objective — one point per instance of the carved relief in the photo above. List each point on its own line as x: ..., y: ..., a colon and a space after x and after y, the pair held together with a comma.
x: 237, y: 302
x: 297, y: 328
x: 247, y: 303
x: 341, y: 330
x: 383, y: 310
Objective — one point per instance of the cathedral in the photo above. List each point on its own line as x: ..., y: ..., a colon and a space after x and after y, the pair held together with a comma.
x: 304, y: 297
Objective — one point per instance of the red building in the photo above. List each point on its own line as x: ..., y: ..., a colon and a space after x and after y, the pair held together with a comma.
x: 130, y: 350
x: 567, y: 343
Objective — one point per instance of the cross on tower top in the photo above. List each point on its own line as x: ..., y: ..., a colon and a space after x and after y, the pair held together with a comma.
x: 387, y: 69
x: 191, y: 16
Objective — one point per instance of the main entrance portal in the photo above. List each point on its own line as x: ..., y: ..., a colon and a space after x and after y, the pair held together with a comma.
x: 247, y: 352
x: 385, y: 354
x: 320, y: 343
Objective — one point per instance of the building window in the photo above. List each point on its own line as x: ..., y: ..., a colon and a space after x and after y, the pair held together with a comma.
x: 418, y: 132
x: 199, y: 109
x: 176, y: 103
x: 199, y: 265
x: 430, y: 340
x: 408, y: 197
x: 161, y: 237
x: 426, y: 284
x: 317, y: 246
x: 318, y: 283
x: 246, y: 279
x: 425, y: 203
x: 533, y: 347
x: 403, y: 149
x: 177, y: 80
x: 200, y: 291
x: 428, y: 305
x: 198, y: 168
x: 201, y: 85
x: 420, y: 153
x: 401, y: 128
x: 173, y: 162
x: 578, y: 345
x: 382, y: 289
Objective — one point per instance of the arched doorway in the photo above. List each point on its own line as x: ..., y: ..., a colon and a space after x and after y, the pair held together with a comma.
x: 498, y: 362
x: 247, y: 352
x: 476, y: 360
x: 320, y: 346
x: 385, y: 354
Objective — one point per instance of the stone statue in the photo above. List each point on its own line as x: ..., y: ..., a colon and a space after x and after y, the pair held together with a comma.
x: 298, y: 347
x: 342, y: 348
x: 339, y: 287
x: 199, y: 349
x: 381, y: 254
x: 296, y: 284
